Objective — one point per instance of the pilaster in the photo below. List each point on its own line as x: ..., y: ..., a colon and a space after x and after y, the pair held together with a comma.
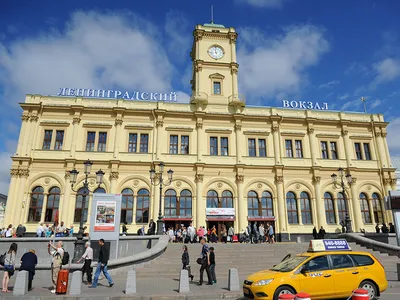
x: 242, y: 207
x: 319, y: 203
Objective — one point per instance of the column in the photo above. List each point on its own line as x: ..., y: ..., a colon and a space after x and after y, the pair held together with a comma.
x: 9, y: 212
x: 159, y: 124
x: 320, y: 207
x: 347, y: 147
x: 22, y: 135
x: 313, y: 146
x: 43, y: 215
x: 25, y: 209
x: 32, y: 134
x: 118, y: 125
x: 199, y: 128
x: 19, y: 195
x: 384, y: 141
x: 275, y: 133
x: 75, y: 124
x: 371, y: 210
x: 281, y: 206
x: 238, y: 128
x: 357, y: 219
x: 200, y: 202
x: 113, y: 182
x: 381, y: 150
x: 66, y: 207
x: 242, y: 207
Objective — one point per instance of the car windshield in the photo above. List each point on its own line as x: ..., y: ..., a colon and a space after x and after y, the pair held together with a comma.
x: 289, y: 264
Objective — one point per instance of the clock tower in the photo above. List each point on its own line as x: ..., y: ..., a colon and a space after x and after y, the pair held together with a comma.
x: 215, y: 70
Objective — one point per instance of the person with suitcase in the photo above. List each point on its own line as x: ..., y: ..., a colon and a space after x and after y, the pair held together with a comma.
x: 186, y: 261
x: 57, y: 252
x: 104, y: 255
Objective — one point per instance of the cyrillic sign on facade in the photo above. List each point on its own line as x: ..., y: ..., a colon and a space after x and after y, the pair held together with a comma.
x: 304, y: 105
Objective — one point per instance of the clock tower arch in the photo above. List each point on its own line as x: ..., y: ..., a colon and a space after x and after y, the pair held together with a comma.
x: 215, y: 70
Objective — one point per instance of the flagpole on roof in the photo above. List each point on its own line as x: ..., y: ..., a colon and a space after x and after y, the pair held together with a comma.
x: 364, y: 99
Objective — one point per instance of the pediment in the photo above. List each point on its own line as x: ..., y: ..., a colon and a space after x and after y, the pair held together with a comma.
x: 217, y: 76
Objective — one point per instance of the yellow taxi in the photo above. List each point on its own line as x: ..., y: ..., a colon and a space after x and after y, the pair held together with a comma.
x: 328, y: 270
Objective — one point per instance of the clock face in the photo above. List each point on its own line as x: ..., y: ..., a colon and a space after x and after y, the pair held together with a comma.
x: 216, y: 52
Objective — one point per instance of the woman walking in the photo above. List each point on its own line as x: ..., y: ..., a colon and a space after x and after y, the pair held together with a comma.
x: 9, y: 266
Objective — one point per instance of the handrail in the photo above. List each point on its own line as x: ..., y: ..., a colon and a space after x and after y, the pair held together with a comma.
x: 374, y: 245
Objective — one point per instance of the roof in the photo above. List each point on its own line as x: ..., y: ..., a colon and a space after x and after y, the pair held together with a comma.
x: 213, y: 25
x: 395, y: 162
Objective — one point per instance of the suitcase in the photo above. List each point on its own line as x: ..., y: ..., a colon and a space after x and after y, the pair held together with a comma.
x: 235, y: 239
x: 62, y: 282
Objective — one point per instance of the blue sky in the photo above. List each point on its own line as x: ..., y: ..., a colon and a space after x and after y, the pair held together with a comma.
x: 311, y: 50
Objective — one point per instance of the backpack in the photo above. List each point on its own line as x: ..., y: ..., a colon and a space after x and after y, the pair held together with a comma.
x: 3, y: 259
x: 65, y: 259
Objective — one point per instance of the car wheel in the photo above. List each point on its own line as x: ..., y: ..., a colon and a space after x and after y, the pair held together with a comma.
x: 283, y: 290
x: 370, y: 287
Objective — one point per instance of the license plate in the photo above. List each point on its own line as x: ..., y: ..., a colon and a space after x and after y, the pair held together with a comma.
x: 246, y: 291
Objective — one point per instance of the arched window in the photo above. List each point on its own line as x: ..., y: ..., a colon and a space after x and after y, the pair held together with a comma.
x: 79, y: 206
x: 267, y: 206
x: 227, y: 199
x: 170, y: 201
x: 305, y: 207
x: 36, y: 204
x: 341, y: 205
x: 212, y: 199
x: 185, y: 203
x: 53, y: 204
x: 252, y: 204
x: 127, y: 206
x: 365, y: 213
x: 291, y: 204
x: 99, y: 190
x: 142, y: 206
x: 376, y: 206
x: 329, y: 209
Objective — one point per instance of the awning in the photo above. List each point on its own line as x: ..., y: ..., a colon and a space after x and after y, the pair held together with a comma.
x: 220, y: 218
x: 257, y: 218
x: 177, y: 219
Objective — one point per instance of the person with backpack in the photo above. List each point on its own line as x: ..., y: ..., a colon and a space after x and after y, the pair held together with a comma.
x: 57, y: 252
x: 9, y: 266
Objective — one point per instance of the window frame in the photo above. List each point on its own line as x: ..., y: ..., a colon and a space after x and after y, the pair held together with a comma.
x: 173, y: 144
x: 126, y: 197
x: 90, y: 146
x: 213, y: 146
x: 52, y: 197
x: 224, y: 149
x: 77, y: 217
x: 184, y: 199
x: 185, y: 142
x: 144, y: 143
x: 289, y: 148
x: 252, y: 198
x: 212, y: 199
x: 269, y: 209
x: 378, y: 213
x: 262, y: 151
x: 334, y: 150
x: 367, y: 152
x: 251, y: 145
x: 292, y: 213
x: 144, y: 197
x: 306, y: 209
x: 358, y: 151
x: 132, y: 143
x: 299, y: 151
x: 58, y: 144
x: 329, y: 206
x: 170, y: 197
x: 102, y: 142
x: 365, y: 211
x: 226, y: 200
x: 47, y: 140
x: 37, y: 196
x: 341, y: 206
x: 324, y: 150
x: 217, y: 83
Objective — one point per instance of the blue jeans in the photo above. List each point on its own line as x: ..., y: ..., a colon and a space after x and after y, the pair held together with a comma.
x: 99, y: 269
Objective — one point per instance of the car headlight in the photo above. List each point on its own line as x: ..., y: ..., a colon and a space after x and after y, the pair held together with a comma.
x: 263, y: 282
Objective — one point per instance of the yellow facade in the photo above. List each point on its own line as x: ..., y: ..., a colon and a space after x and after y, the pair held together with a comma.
x: 216, y: 112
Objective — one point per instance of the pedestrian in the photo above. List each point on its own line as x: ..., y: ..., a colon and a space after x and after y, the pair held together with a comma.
x: 315, y: 233
x: 321, y: 233
x: 392, y: 228
x: 104, y: 255
x: 87, y: 268
x: 212, y: 265
x: 9, y: 232
x: 20, y: 230
x: 377, y: 229
x: 231, y: 233
x: 152, y: 228
x: 224, y: 234
x: 141, y: 231
x: 9, y: 266
x: 261, y: 232
x: 57, y: 253
x: 40, y: 230
x: 60, y: 229
x: 186, y: 261
x: 28, y: 263
x: 124, y: 229
x: 255, y: 233
x: 271, y: 234
x: 385, y: 229
x: 205, y: 262
x: 192, y: 232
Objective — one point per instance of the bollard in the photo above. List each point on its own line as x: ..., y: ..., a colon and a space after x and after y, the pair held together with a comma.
x: 303, y: 296
x: 286, y: 297
x: 184, y: 282
x: 76, y: 283
x: 21, y: 284
x: 398, y: 271
x: 360, y: 294
x: 130, y: 287
x: 233, y: 280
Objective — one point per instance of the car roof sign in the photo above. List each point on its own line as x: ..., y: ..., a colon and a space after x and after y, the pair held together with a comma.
x: 328, y: 245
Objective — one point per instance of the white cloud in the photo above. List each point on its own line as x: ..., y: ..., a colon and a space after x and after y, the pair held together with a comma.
x: 178, y: 41
x: 375, y: 103
x: 386, y: 70
x: 352, y: 105
x: 329, y: 84
x: 279, y: 64
x: 5, y: 162
x: 393, y: 137
x: 263, y: 3
x: 343, y: 97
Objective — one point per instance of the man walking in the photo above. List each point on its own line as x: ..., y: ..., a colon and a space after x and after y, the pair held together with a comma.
x: 102, y: 265
x: 205, y: 262
x: 191, y: 232
x: 88, y: 257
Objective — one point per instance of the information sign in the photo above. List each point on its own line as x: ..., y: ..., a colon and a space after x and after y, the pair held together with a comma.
x: 328, y: 245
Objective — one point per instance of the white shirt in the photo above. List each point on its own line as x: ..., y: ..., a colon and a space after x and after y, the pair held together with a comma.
x: 58, y: 251
x: 191, y: 230
x: 9, y: 232
x: 88, y: 253
x: 39, y: 231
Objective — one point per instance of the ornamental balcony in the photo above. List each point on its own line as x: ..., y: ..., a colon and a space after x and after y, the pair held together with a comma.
x: 200, y: 98
x: 237, y: 100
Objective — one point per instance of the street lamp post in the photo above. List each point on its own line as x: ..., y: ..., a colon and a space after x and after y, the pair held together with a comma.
x: 342, y: 185
x: 79, y: 244
x: 158, y: 180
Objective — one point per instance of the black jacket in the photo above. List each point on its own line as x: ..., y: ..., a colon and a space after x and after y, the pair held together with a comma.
x: 104, y: 255
x: 185, y: 258
x: 212, y: 258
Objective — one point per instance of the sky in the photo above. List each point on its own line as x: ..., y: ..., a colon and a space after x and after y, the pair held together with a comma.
x: 308, y: 50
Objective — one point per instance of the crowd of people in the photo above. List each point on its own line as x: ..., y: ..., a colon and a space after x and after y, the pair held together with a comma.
x: 43, y: 230
x: 384, y: 228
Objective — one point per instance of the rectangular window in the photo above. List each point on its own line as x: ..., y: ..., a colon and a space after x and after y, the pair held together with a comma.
x: 367, y: 152
x: 357, y: 147
x: 132, y: 146
x: 47, y: 139
x: 289, y: 148
x: 173, y: 144
x: 144, y: 143
x: 217, y: 88
x: 101, y: 147
x: 334, y: 153
x: 224, y: 146
x: 213, y: 146
x: 324, y: 149
x: 91, y: 136
x: 262, y: 149
x: 252, y: 147
x: 59, y: 140
x: 299, y: 149
x: 184, y: 144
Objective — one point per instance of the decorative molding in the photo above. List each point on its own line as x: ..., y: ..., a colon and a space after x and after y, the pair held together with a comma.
x: 199, y: 177
x: 344, y: 132
x: 179, y: 128
x: 310, y: 130
x: 361, y: 137
x: 114, y: 175
x: 47, y: 181
x: 384, y: 134
x: 293, y: 133
x: 393, y: 181
x: 24, y: 117
x: 378, y: 134
x: 388, y: 180
x: 219, y: 185
x: 118, y: 122
x: 97, y: 125
x: 297, y: 186
x: 34, y: 118
x: 279, y: 179
x: 199, y: 125
x: 218, y: 130
x: 198, y: 65
x: 138, y: 127
x: 259, y: 186
x: 239, y: 178
x: 234, y: 68
x: 76, y: 120
x: 238, y: 127
x: 14, y: 172
x: 160, y: 123
x: 178, y: 184
x: 23, y: 173
x: 67, y: 175
x: 275, y: 128
x: 92, y: 181
x: 55, y: 123
x: 353, y: 180
x: 216, y: 76
x: 135, y: 182
x: 256, y: 132
x: 316, y: 179
x: 328, y: 136
x: 198, y: 35
x: 232, y: 37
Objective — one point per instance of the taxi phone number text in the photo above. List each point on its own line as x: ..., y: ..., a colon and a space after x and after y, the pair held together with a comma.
x: 335, y: 243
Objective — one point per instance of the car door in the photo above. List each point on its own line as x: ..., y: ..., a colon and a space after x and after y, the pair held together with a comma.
x: 346, y: 274
x: 316, y: 278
